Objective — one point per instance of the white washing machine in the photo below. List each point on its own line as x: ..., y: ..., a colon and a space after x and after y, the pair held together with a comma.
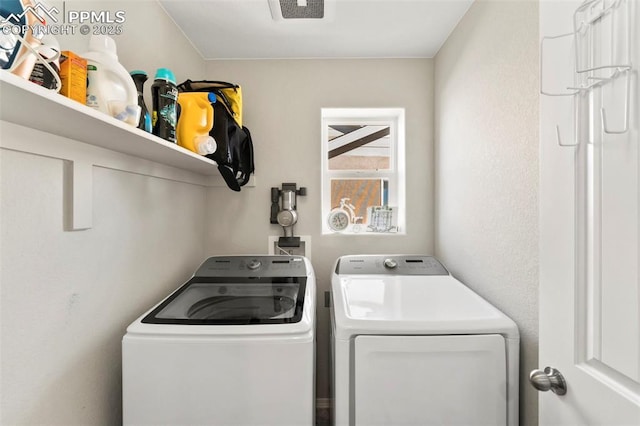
x: 235, y: 345
x: 414, y: 346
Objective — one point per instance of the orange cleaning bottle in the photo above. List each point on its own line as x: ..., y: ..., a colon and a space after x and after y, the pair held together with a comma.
x: 195, y: 122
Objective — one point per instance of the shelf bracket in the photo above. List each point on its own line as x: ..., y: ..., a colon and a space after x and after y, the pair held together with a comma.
x: 78, y: 195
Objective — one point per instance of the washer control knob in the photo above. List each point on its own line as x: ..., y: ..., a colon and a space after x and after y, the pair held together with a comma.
x: 390, y: 264
x: 254, y: 264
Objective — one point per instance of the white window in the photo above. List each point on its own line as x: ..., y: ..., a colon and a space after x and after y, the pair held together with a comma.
x: 363, y: 171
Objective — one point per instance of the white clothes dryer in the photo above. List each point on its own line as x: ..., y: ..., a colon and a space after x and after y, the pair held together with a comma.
x: 235, y: 345
x: 411, y: 345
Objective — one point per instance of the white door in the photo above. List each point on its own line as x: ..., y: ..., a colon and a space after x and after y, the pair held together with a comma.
x: 590, y: 208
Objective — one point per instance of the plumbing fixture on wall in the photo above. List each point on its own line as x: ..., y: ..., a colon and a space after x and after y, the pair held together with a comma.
x: 284, y: 213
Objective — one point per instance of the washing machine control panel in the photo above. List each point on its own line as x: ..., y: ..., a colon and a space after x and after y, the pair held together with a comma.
x: 390, y: 265
x: 254, y: 264
x: 265, y: 266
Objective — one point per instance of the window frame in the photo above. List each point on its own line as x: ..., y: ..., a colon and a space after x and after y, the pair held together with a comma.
x: 395, y: 175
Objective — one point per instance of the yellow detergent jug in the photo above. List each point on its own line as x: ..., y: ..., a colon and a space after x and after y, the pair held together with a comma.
x: 196, y: 121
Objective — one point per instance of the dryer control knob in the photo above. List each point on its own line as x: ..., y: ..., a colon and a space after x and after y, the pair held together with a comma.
x: 390, y: 264
x: 254, y: 264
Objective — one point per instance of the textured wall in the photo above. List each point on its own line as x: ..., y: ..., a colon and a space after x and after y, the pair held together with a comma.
x: 282, y: 109
x: 486, y: 160
x: 67, y: 297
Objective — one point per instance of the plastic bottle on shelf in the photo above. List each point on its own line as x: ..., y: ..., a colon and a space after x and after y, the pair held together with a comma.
x: 110, y: 88
x: 164, y: 94
x: 46, y: 71
x: 196, y: 121
x: 139, y: 77
x: 19, y: 52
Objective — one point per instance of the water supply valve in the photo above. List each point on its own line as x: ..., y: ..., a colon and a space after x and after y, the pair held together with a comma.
x: 283, y: 211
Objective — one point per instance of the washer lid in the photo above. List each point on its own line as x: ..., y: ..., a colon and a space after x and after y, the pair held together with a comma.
x: 229, y: 300
x: 437, y: 304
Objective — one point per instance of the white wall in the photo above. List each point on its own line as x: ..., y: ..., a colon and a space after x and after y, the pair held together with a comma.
x: 486, y: 85
x: 67, y: 297
x: 282, y: 101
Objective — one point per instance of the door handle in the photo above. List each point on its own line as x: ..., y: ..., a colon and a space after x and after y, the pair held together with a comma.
x: 549, y: 379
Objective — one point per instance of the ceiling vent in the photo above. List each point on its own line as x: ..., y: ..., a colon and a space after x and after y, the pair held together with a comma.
x: 301, y: 9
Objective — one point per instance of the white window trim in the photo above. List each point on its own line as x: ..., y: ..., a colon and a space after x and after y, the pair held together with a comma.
x: 396, y: 174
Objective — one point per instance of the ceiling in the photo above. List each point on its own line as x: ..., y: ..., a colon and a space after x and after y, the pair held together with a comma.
x: 245, y: 29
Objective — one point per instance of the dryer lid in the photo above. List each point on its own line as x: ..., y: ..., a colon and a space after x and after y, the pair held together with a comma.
x: 377, y: 304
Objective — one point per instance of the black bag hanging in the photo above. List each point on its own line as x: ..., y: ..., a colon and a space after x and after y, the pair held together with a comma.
x: 234, y: 152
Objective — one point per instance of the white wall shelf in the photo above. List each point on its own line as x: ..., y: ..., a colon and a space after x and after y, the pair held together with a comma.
x: 35, y: 107
x: 38, y: 121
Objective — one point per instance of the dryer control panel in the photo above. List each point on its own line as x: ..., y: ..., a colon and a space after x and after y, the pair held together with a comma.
x: 390, y: 265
